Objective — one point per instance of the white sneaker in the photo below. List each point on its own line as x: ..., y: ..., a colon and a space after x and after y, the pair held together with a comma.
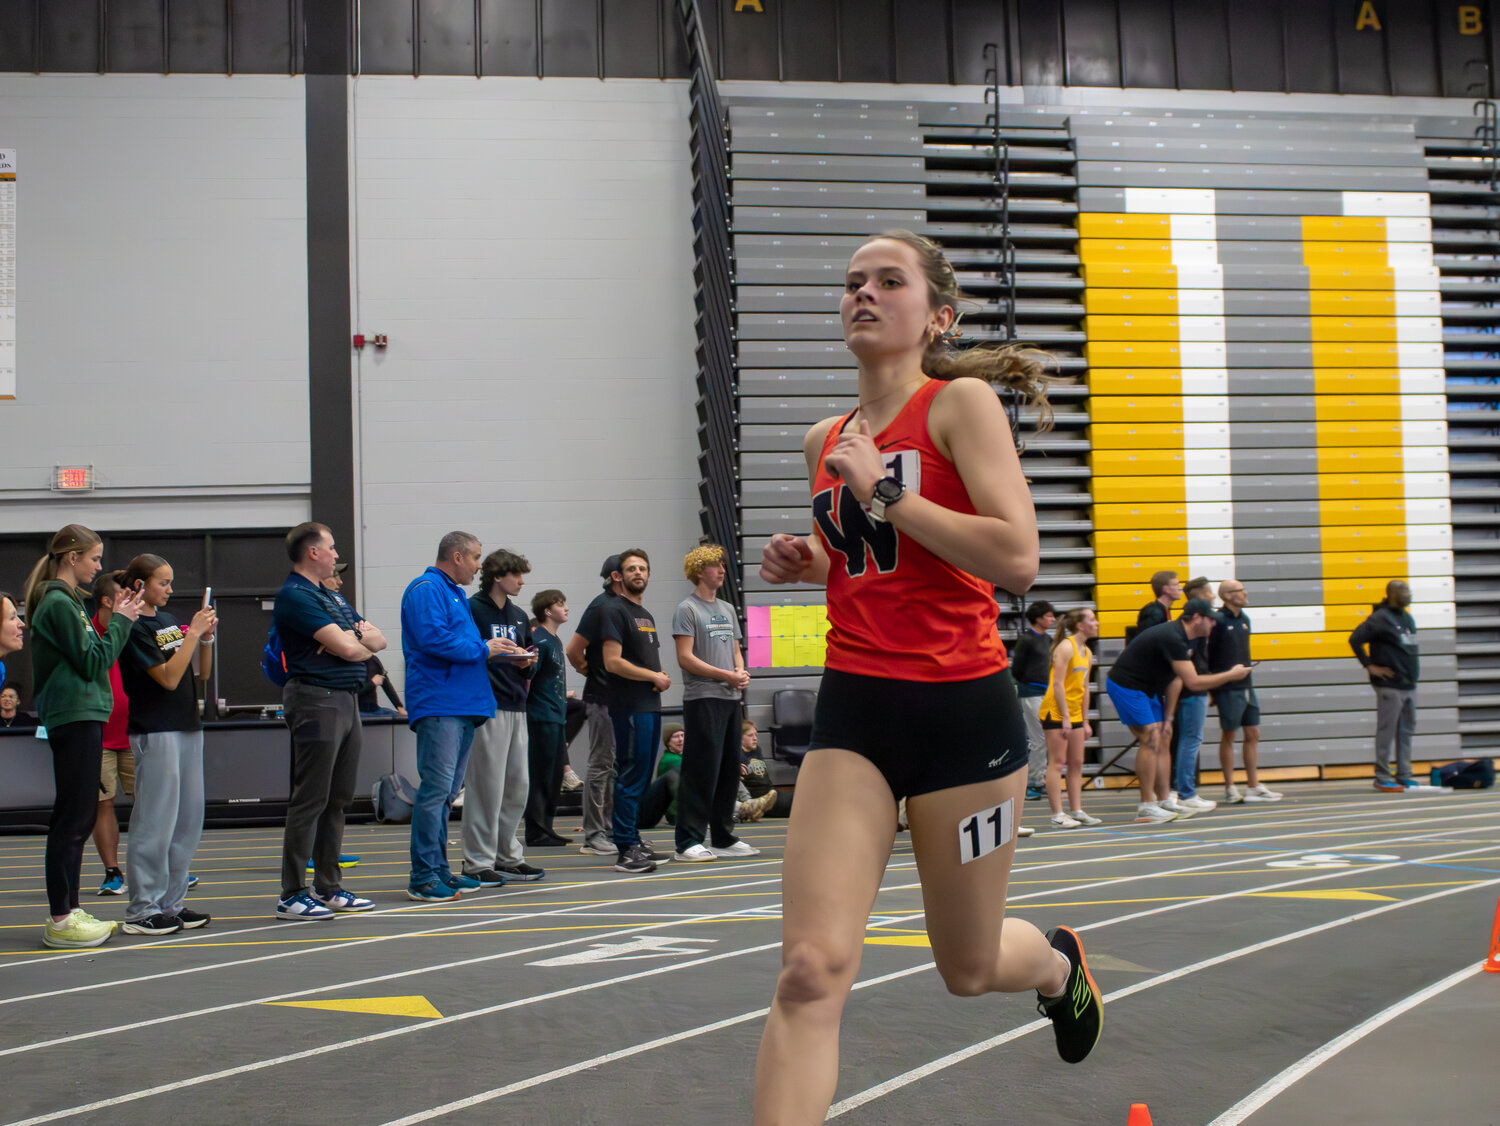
x: 739, y: 848
x: 1063, y: 821
x: 1197, y: 804
x: 1183, y: 812
x: 1232, y: 795
x: 1153, y: 813
x: 1259, y: 792
x: 1084, y: 819
x: 694, y: 854
x: 1025, y: 831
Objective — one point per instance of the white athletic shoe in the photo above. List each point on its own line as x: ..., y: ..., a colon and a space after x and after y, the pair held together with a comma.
x: 1025, y: 831
x: 1183, y: 812
x: 734, y: 851
x: 1259, y: 792
x: 1153, y: 813
x: 1232, y: 795
x: 1062, y: 821
x: 1083, y: 818
x: 1197, y: 804
x: 694, y: 854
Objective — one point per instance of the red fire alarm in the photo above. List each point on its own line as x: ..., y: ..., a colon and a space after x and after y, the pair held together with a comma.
x: 359, y: 340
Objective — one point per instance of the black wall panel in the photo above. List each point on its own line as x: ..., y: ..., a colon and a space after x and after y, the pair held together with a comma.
x: 975, y: 23
x: 810, y: 40
x: 196, y: 39
x: 446, y: 39
x: 1202, y: 37
x: 508, y: 37
x: 70, y: 36
x: 1147, y: 52
x: 1362, y: 58
x: 866, y: 47
x: 1041, y: 39
x: 1092, y: 46
x: 751, y: 45
x: 1257, y: 60
x: 570, y: 38
x: 385, y: 43
x: 134, y: 42
x: 632, y: 38
x: 1411, y: 49
x: 1311, y: 60
x: 18, y: 34
x: 1464, y: 60
x: 921, y: 42
x: 262, y: 36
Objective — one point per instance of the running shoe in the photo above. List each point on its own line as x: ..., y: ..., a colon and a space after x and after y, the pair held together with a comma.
x: 344, y: 862
x: 78, y: 931
x: 1150, y: 812
x: 487, y: 877
x: 460, y: 882
x: 1084, y: 818
x: 1197, y: 804
x: 734, y: 851
x: 694, y: 854
x: 1389, y: 786
x: 1077, y: 1015
x: 435, y: 892
x: 193, y: 920
x: 302, y: 908
x: 342, y: 901
x: 192, y: 880
x: 114, y: 882
x: 599, y: 846
x: 1035, y: 793
x: 154, y: 924
x: 570, y: 781
x: 1025, y: 831
x: 521, y: 871
x: 634, y: 860
x: 1260, y: 792
x: 1232, y: 795
x: 651, y: 853
x: 1174, y: 806
x: 1063, y: 821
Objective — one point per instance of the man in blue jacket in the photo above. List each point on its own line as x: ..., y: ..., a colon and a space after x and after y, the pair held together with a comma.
x: 1386, y: 644
x: 447, y: 696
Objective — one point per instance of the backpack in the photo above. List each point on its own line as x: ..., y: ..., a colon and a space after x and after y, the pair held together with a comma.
x: 1466, y: 774
x: 393, y: 797
x: 273, y: 660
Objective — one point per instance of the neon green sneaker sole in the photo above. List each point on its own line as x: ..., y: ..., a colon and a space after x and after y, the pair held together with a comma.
x: 79, y: 931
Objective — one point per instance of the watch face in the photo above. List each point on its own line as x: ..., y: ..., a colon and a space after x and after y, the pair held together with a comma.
x: 888, y: 488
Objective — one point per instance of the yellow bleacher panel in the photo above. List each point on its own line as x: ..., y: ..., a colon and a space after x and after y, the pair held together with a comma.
x: 1298, y: 646
x: 1355, y: 486
x: 1340, y: 408
x: 1134, y: 408
x: 1345, y: 616
x: 1343, y: 537
x: 1121, y: 597
x: 1113, y: 623
x: 1357, y: 381
x: 1358, y: 255
x: 1348, y: 459
x: 1335, y: 303
x: 1377, y: 354
x: 1150, y: 540
x: 1361, y: 512
x: 1134, y: 252
x: 1365, y: 433
x: 1348, y: 228
x: 1114, y: 225
x: 1123, y: 517
x: 1141, y: 327
x: 1134, y: 381
x: 1137, y: 569
x: 1328, y: 276
x: 1109, y: 353
x: 1143, y: 463
x: 1124, y: 302
x: 1372, y: 330
x: 1117, y: 275
x: 1364, y: 565
x: 1118, y: 489
x: 1144, y: 436
x: 1362, y: 593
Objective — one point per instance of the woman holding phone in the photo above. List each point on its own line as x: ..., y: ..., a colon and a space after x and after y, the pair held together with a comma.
x: 70, y: 663
x: 166, y: 737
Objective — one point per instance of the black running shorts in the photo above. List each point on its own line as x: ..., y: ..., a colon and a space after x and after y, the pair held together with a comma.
x: 924, y: 736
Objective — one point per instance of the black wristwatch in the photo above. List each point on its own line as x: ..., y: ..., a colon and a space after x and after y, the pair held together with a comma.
x: 888, y: 491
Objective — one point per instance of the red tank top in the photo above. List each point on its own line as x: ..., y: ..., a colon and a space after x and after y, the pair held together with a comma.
x: 115, y: 736
x: 895, y: 609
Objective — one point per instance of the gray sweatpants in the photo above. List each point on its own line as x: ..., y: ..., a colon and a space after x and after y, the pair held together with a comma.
x: 166, y: 822
x: 599, y: 776
x: 1395, y: 722
x: 1036, y: 741
x: 495, y: 789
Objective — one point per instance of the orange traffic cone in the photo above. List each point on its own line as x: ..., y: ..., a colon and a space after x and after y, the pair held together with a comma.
x: 1492, y: 963
x: 1139, y: 1115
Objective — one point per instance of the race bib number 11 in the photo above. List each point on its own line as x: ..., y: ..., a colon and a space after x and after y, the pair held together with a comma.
x: 985, y: 831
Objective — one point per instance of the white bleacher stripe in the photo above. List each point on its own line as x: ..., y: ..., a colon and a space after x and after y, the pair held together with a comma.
x: 1408, y: 228
x: 1429, y: 537
x: 1384, y: 205
x: 1200, y: 302
x: 1430, y: 511
x: 1193, y: 329
x: 1213, y: 565
x: 1206, y: 408
x: 1415, y: 486
x: 1402, y: 255
x: 1200, y: 463
x: 1171, y: 201
x: 1431, y: 588
x: 1418, y: 355
x: 1208, y: 514
x: 1289, y: 619
x: 1429, y: 563
x: 1419, y: 330
x: 1195, y: 252
x: 1194, y: 227
x: 1203, y: 277
x: 1434, y: 615
x: 1202, y: 354
x: 1424, y: 408
x: 1418, y: 302
x: 1205, y: 435
x: 1210, y: 541
x: 1424, y: 459
x: 1423, y: 381
x: 1424, y: 433
x: 1415, y: 277
x: 1208, y: 488
x: 1205, y: 381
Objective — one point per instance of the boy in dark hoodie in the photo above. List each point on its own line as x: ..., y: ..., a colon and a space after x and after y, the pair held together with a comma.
x: 1386, y: 644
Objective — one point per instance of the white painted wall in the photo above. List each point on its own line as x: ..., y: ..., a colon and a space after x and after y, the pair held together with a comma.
x: 162, y: 286
x: 527, y: 247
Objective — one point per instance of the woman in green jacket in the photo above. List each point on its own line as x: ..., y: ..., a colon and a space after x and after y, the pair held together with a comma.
x: 70, y: 671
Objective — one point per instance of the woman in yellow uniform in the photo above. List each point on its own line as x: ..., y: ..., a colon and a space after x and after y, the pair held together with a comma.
x: 1064, y: 714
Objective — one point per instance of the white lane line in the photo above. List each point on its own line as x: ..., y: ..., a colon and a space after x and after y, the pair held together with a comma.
x: 1313, y: 1060
x: 906, y: 1078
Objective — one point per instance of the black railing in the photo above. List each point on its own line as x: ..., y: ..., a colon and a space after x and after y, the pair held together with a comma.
x: 713, y: 277
x: 1487, y: 133
x: 1001, y: 151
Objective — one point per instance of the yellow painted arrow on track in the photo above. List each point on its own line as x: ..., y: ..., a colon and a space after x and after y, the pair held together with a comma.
x: 418, y: 1007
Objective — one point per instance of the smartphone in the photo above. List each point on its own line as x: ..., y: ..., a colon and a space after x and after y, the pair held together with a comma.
x: 1254, y: 663
x: 208, y: 597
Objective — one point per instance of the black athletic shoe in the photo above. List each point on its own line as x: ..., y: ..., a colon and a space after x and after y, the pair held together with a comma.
x: 1078, y: 1015
x: 634, y: 859
x: 654, y: 856
x: 156, y: 924
x: 192, y: 920
x: 523, y: 872
x: 488, y: 878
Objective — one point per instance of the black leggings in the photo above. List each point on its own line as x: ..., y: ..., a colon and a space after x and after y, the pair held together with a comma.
x: 77, y: 752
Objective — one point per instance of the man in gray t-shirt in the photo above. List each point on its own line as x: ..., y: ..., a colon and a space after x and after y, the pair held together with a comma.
x: 707, y: 632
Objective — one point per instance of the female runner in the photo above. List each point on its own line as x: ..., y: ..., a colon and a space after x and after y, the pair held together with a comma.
x: 1065, y: 715
x: 921, y: 510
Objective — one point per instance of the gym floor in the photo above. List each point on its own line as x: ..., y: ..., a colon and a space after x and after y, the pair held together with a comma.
x: 1313, y: 961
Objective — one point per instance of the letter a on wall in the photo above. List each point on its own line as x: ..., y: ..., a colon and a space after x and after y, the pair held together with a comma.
x: 1368, y: 19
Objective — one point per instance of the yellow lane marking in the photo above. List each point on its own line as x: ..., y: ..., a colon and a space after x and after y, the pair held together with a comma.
x: 418, y: 1007
x: 898, y: 940
x: 1332, y: 894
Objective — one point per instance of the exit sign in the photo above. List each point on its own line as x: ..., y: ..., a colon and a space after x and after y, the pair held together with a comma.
x: 73, y: 478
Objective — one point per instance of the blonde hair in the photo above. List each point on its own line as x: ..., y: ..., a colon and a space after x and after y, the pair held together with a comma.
x: 706, y: 555
x: 1012, y: 366
x: 75, y: 537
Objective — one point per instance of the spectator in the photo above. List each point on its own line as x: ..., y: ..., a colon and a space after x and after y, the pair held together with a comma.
x: 706, y: 630
x: 546, y: 721
x: 1239, y: 708
x: 166, y: 738
x: 498, y: 778
x: 325, y: 656
x: 660, y: 799
x: 117, y: 771
x: 448, y: 697
x: 1137, y: 683
x: 632, y: 657
x: 1167, y: 590
x: 585, y: 653
x: 376, y: 678
x: 1189, y: 712
x: 1386, y: 644
x: 1064, y: 714
x: 70, y: 663
x: 1030, y: 665
x: 764, y: 798
x: 11, y: 714
x: 12, y: 640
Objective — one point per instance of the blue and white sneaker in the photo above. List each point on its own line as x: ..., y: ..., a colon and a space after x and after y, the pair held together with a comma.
x: 461, y: 883
x: 192, y: 880
x: 345, y: 861
x: 343, y: 901
x: 114, y: 883
x: 435, y: 892
x: 302, y: 908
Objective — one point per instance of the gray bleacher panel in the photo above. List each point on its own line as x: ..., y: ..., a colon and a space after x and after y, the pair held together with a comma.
x: 1249, y: 129
x: 803, y: 166
x: 796, y: 381
x: 770, y: 193
x: 1227, y: 201
x: 769, y: 464
x: 1267, y: 303
x: 1151, y: 174
x: 1244, y: 151
x: 1280, y: 408
x: 833, y: 220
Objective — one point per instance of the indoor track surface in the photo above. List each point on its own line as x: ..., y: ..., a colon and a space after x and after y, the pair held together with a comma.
x: 1317, y: 961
